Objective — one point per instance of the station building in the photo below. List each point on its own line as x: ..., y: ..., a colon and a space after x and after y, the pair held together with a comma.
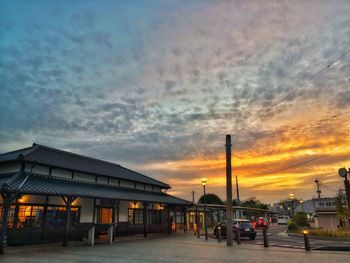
x: 50, y: 195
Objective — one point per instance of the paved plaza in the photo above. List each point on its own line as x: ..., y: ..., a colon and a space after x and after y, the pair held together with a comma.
x: 174, y: 248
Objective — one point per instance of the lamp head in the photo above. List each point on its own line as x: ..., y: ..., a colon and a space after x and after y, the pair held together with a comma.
x: 204, y: 181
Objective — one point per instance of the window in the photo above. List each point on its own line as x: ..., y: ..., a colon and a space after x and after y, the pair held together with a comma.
x: 180, y: 218
x: 28, y: 216
x: 56, y: 216
x: 135, y: 216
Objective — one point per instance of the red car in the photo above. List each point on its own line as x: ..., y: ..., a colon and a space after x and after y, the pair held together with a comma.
x: 261, y: 222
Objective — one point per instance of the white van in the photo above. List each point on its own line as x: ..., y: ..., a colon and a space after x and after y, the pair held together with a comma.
x: 282, y: 220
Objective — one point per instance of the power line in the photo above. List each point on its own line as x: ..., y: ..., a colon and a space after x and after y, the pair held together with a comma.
x: 274, y: 134
x: 293, y: 91
x: 304, y: 162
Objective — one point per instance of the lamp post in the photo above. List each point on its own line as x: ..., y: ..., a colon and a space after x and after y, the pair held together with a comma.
x: 204, y: 183
x: 344, y: 173
x: 302, y: 204
x: 291, y: 197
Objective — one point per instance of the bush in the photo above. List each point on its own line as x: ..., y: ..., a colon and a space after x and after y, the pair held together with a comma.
x: 292, y: 226
x: 300, y: 219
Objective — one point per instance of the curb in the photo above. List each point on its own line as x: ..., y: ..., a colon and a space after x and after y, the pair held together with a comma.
x: 319, y: 237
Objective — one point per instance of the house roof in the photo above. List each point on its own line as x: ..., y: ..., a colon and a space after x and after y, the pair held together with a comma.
x: 44, y: 155
x: 38, y: 184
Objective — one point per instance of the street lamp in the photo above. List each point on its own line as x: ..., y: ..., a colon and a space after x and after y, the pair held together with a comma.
x: 344, y: 173
x: 291, y: 197
x: 204, y: 183
x: 302, y: 204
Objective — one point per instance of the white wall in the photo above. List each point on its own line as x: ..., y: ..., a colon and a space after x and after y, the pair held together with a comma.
x: 61, y: 173
x: 140, y: 186
x: 123, y: 211
x: 87, y: 209
x: 10, y: 167
x: 129, y: 184
x: 113, y: 181
x: 102, y: 180
x: 156, y: 189
x: 39, y: 169
x: 84, y: 177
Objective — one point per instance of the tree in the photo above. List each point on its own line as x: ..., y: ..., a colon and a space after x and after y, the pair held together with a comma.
x: 210, y: 199
x: 252, y: 202
x: 340, y: 204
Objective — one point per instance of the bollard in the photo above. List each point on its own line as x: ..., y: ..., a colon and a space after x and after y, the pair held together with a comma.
x: 306, y: 240
x: 238, y: 234
x: 219, y: 234
x: 266, y: 241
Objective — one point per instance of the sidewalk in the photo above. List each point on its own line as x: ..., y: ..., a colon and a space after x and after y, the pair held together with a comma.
x: 174, y: 248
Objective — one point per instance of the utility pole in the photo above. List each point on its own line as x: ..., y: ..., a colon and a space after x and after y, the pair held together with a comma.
x: 238, y: 200
x: 318, y: 189
x: 229, y: 229
x: 193, y: 197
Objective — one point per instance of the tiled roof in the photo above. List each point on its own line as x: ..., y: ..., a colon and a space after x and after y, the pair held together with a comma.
x: 57, y: 158
x: 30, y: 183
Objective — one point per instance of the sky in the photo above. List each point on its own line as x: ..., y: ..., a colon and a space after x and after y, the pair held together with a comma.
x: 156, y: 85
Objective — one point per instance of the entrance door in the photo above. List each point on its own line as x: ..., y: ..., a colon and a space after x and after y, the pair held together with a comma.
x: 105, y: 215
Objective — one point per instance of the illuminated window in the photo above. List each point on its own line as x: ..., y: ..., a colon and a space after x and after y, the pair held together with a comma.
x: 104, y: 215
x: 28, y: 216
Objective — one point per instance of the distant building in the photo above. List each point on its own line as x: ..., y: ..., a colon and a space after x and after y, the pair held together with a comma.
x: 308, y: 206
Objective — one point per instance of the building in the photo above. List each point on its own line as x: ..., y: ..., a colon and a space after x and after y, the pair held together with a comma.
x: 39, y: 184
x: 308, y: 206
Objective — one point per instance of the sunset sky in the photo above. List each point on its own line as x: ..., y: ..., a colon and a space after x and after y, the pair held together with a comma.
x: 156, y: 85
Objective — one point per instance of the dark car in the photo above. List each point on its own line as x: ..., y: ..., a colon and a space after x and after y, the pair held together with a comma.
x: 247, y: 229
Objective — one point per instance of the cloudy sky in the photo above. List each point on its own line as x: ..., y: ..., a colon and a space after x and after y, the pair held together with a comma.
x: 156, y: 86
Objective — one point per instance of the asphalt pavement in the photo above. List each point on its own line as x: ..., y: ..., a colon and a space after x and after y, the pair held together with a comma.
x: 279, y: 238
x: 178, y: 247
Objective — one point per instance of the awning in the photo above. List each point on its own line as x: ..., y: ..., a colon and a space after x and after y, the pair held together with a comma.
x: 38, y: 184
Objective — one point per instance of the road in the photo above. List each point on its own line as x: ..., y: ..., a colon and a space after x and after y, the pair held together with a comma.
x: 278, y: 237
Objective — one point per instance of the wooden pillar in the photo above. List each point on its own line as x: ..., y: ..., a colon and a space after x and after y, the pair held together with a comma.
x: 185, y: 220
x: 7, y: 200
x: 118, y: 208
x: 145, y: 204
x: 169, y: 223
x: 94, y: 212
x: 43, y: 223
x: 66, y: 230
x: 15, y: 217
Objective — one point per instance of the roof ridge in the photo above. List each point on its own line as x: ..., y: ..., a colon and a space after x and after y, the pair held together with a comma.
x: 75, y: 154
x: 26, y: 148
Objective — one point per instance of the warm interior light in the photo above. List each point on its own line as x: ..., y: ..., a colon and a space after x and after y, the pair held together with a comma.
x: 204, y: 181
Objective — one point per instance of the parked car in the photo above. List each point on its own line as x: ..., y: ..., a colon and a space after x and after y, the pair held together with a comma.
x: 282, y: 220
x: 261, y: 222
x: 247, y: 229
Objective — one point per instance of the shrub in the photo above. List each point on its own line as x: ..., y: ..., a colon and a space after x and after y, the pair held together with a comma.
x: 300, y: 219
x: 292, y: 226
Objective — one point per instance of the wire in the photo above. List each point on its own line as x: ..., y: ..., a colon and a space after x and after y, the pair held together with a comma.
x: 293, y: 91
x: 304, y: 162
x: 275, y: 133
